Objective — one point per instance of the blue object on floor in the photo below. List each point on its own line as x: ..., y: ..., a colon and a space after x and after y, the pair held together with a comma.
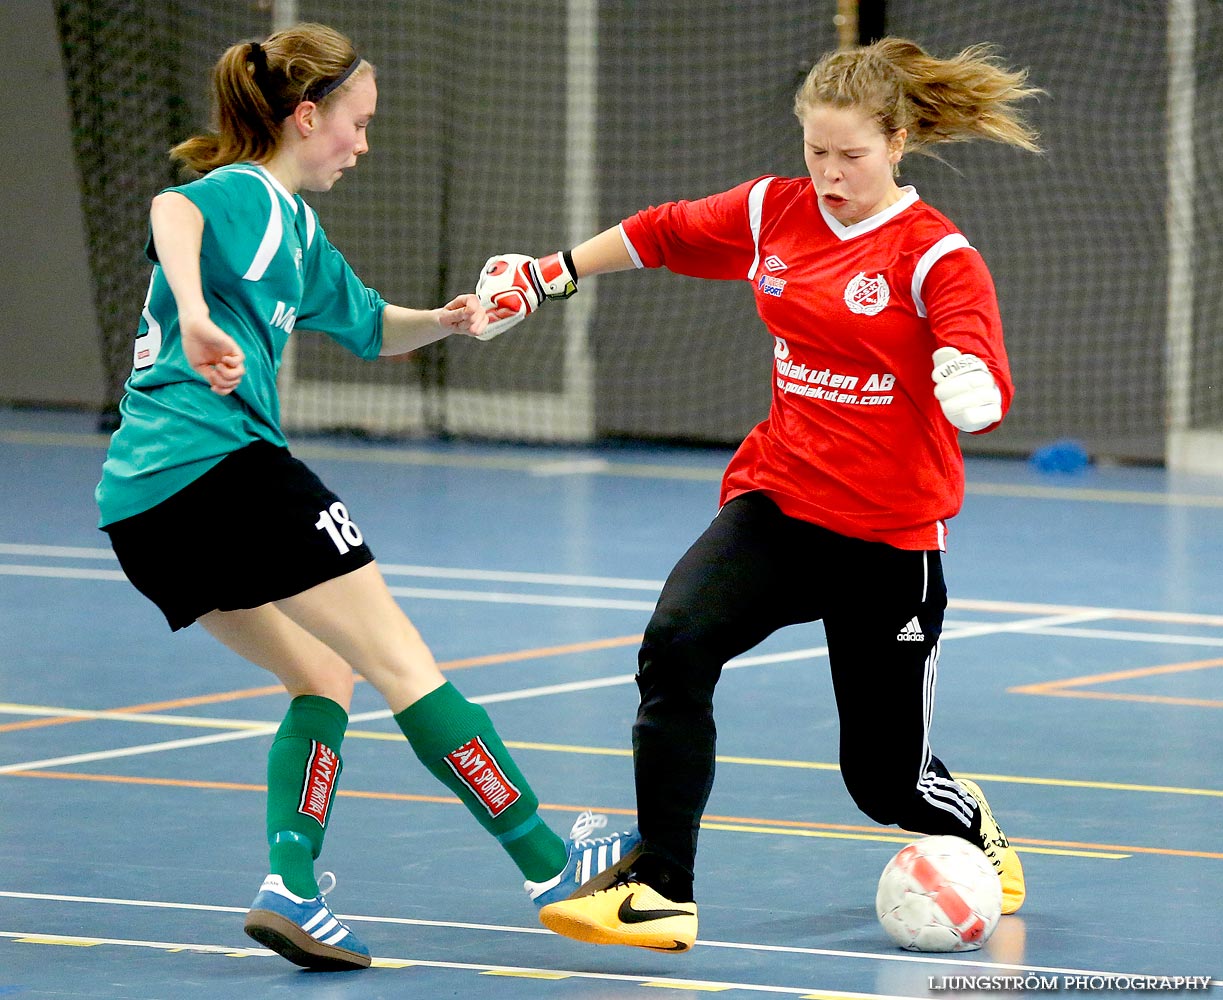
x: 1066, y: 455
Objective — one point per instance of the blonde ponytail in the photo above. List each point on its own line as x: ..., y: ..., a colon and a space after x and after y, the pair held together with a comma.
x: 896, y: 82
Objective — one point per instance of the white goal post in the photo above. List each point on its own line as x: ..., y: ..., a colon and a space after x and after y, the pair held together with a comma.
x: 1188, y: 449
x: 567, y: 415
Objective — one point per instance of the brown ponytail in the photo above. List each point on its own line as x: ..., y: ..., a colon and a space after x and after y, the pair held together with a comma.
x: 256, y: 85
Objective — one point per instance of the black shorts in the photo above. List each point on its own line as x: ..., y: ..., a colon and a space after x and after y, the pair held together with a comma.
x: 257, y: 527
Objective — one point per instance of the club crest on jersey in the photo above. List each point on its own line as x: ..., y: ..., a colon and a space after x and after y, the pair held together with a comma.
x: 479, y: 771
x: 771, y: 286
x: 867, y: 295
x: 321, y: 771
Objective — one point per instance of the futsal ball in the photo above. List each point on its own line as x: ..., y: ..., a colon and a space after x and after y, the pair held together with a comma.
x: 939, y: 894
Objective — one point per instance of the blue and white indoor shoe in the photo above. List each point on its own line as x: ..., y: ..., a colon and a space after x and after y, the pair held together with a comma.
x: 594, y: 862
x: 304, y: 931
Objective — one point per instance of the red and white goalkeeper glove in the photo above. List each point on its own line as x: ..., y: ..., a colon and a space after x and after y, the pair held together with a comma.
x: 966, y: 390
x: 512, y: 286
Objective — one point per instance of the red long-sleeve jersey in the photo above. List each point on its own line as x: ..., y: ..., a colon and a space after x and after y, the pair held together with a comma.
x: 855, y: 440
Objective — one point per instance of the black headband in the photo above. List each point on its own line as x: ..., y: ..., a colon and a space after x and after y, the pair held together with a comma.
x: 322, y: 89
x: 260, y: 59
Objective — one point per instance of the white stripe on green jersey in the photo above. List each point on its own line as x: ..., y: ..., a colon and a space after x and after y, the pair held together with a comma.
x: 267, y: 266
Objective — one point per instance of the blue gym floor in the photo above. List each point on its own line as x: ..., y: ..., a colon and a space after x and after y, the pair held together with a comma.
x: 1081, y: 683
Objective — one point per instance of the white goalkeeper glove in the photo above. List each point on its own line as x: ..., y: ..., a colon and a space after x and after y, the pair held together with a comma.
x: 966, y: 390
x: 512, y: 286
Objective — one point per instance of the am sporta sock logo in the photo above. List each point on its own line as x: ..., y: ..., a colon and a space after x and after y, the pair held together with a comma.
x: 322, y: 769
x: 479, y: 771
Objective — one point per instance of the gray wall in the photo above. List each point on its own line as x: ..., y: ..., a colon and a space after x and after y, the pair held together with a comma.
x: 47, y: 320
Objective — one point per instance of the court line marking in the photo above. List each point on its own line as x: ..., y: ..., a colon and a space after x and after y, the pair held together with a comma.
x: 262, y: 726
x: 960, y: 959
x: 630, y: 583
x: 408, y: 963
x: 711, y: 821
x: 597, y: 466
x: 513, y: 656
x: 570, y: 687
x: 1122, y: 635
x: 1067, y: 687
x: 505, y: 696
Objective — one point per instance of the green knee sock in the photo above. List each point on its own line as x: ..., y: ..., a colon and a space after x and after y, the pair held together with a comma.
x: 456, y: 741
x: 303, y: 767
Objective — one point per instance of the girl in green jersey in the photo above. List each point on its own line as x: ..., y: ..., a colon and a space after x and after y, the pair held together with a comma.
x: 239, y: 260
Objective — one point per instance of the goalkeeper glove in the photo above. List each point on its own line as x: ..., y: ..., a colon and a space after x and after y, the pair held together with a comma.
x: 513, y: 285
x: 966, y: 390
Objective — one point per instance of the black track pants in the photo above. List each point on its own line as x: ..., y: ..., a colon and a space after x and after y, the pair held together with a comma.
x: 753, y: 571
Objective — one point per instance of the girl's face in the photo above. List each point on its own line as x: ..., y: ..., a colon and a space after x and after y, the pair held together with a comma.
x: 337, y: 133
x: 850, y: 161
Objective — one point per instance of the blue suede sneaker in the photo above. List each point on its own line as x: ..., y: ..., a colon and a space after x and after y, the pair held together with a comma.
x: 593, y: 862
x: 304, y: 931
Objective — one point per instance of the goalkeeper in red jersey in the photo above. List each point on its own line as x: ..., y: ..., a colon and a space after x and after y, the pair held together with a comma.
x: 887, y: 345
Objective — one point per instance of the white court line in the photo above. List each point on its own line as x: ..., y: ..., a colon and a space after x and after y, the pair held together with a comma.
x: 85, y: 758
x: 570, y: 467
x: 959, y: 960
x: 388, y: 569
x: 1123, y: 636
x: 61, y: 573
x: 510, y: 576
x: 763, y: 659
x: 494, y: 597
x: 572, y: 580
x: 56, y: 551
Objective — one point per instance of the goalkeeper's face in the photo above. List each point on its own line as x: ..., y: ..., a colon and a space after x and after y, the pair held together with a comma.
x: 338, y: 133
x: 851, y: 162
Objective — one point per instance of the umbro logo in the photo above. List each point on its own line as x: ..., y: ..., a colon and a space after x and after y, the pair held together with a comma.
x: 911, y: 632
x: 774, y: 263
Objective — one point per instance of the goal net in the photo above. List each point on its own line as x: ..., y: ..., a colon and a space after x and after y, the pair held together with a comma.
x: 527, y: 127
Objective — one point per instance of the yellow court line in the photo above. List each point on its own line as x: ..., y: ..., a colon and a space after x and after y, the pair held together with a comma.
x: 812, y: 765
x: 902, y: 838
x: 809, y: 765
x: 1104, y: 786
x: 67, y: 942
x: 525, y: 974
x: 747, y: 824
x: 394, y: 736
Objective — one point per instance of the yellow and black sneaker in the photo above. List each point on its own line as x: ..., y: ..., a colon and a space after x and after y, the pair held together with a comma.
x: 629, y: 913
x: 999, y: 851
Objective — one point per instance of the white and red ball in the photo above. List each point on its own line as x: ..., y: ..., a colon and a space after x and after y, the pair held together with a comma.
x: 939, y: 894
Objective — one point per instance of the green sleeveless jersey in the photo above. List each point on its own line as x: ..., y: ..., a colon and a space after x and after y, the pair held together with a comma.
x: 266, y: 266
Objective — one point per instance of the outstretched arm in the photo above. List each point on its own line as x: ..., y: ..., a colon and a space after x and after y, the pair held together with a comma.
x: 513, y: 285
x: 602, y: 254
x: 178, y: 233
x: 405, y: 330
